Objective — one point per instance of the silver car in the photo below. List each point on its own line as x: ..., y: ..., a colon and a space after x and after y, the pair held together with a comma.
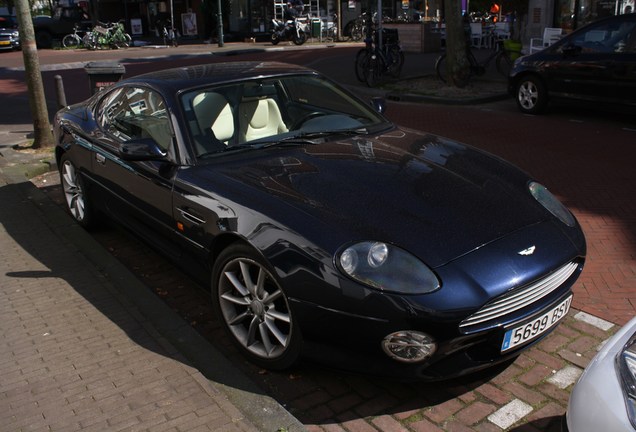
x: 604, y: 398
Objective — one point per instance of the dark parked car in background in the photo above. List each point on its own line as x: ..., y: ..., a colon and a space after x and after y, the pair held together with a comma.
x: 321, y: 228
x: 9, y: 35
x: 596, y: 63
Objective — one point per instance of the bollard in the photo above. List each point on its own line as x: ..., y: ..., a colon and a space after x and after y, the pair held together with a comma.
x: 59, y: 90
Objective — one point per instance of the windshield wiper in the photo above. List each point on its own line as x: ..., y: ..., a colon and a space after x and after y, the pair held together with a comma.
x: 311, y: 137
x: 302, y: 138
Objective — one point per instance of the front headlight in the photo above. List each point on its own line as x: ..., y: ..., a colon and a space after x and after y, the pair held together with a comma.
x: 626, y: 366
x: 551, y: 203
x: 386, y: 267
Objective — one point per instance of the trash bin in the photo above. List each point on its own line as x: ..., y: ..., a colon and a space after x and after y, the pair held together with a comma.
x: 513, y: 47
x: 103, y: 74
x: 315, y: 27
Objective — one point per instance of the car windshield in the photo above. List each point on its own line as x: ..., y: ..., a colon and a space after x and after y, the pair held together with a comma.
x: 253, y: 113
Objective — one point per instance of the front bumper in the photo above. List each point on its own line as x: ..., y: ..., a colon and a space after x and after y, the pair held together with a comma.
x: 9, y: 43
x: 597, y: 402
x: 352, y: 343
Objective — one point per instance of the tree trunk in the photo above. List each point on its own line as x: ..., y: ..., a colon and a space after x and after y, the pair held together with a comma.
x: 457, y: 66
x: 37, y: 101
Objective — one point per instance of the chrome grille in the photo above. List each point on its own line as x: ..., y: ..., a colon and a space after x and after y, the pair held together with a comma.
x: 520, y: 298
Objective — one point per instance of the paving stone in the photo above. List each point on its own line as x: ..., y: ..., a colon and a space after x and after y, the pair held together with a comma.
x: 510, y: 413
x: 565, y: 377
x: 595, y: 321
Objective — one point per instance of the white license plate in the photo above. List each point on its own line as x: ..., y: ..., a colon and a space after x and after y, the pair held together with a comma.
x: 528, y: 331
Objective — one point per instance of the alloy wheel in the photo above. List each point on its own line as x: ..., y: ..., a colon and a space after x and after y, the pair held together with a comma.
x: 255, y: 309
x: 73, y: 191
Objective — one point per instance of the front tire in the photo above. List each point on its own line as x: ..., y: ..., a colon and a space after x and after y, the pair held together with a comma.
x: 71, y: 41
x: 75, y: 193
x: 362, y: 63
x: 531, y: 95
x: 275, y: 39
x: 43, y: 39
x: 301, y: 38
x: 253, y: 309
x: 373, y: 73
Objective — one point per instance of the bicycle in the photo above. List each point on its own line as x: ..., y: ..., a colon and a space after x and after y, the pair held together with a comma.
x: 373, y: 63
x: 501, y: 56
x: 329, y: 33
x: 107, y: 35
x: 356, y: 30
x: 73, y: 40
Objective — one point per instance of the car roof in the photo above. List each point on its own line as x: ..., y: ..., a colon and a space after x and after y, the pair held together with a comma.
x: 215, y: 73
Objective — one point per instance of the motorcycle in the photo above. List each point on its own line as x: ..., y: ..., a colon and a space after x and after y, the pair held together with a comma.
x: 289, y: 30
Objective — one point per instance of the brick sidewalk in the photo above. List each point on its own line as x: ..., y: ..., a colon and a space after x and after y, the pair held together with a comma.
x: 76, y: 353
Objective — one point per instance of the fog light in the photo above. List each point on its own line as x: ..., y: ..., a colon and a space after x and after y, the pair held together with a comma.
x: 409, y: 346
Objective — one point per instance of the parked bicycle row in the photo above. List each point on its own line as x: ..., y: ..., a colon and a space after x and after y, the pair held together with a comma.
x: 102, y: 36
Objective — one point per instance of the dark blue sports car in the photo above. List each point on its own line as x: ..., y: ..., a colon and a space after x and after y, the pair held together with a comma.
x: 322, y: 229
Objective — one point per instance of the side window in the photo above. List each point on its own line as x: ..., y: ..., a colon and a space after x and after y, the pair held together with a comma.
x: 609, y: 37
x: 630, y: 41
x: 130, y: 113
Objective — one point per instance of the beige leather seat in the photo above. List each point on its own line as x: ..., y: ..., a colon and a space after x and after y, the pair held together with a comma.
x: 213, y: 112
x: 259, y: 118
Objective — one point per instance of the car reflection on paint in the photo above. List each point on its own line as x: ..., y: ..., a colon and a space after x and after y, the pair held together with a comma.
x: 322, y: 229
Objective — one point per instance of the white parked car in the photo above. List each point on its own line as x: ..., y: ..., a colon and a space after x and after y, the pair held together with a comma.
x: 604, y: 398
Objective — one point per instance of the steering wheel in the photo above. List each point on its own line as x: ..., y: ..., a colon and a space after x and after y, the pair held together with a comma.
x: 298, y: 123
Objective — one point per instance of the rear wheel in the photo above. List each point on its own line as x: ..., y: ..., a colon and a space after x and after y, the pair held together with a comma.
x: 89, y: 41
x: 357, y: 32
x: 75, y: 193
x: 43, y: 39
x: 504, y: 63
x: 531, y: 95
x: 440, y: 67
x: 397, y: 61
x: 254, y: 309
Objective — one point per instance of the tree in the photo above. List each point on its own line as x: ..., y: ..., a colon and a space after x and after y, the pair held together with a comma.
x: 457, y: 65
x: 37, y: 101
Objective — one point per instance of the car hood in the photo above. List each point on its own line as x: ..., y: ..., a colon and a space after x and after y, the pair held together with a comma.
x: 434, y: 197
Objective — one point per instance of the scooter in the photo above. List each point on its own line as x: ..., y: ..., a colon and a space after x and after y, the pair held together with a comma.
x: 288, y: 30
